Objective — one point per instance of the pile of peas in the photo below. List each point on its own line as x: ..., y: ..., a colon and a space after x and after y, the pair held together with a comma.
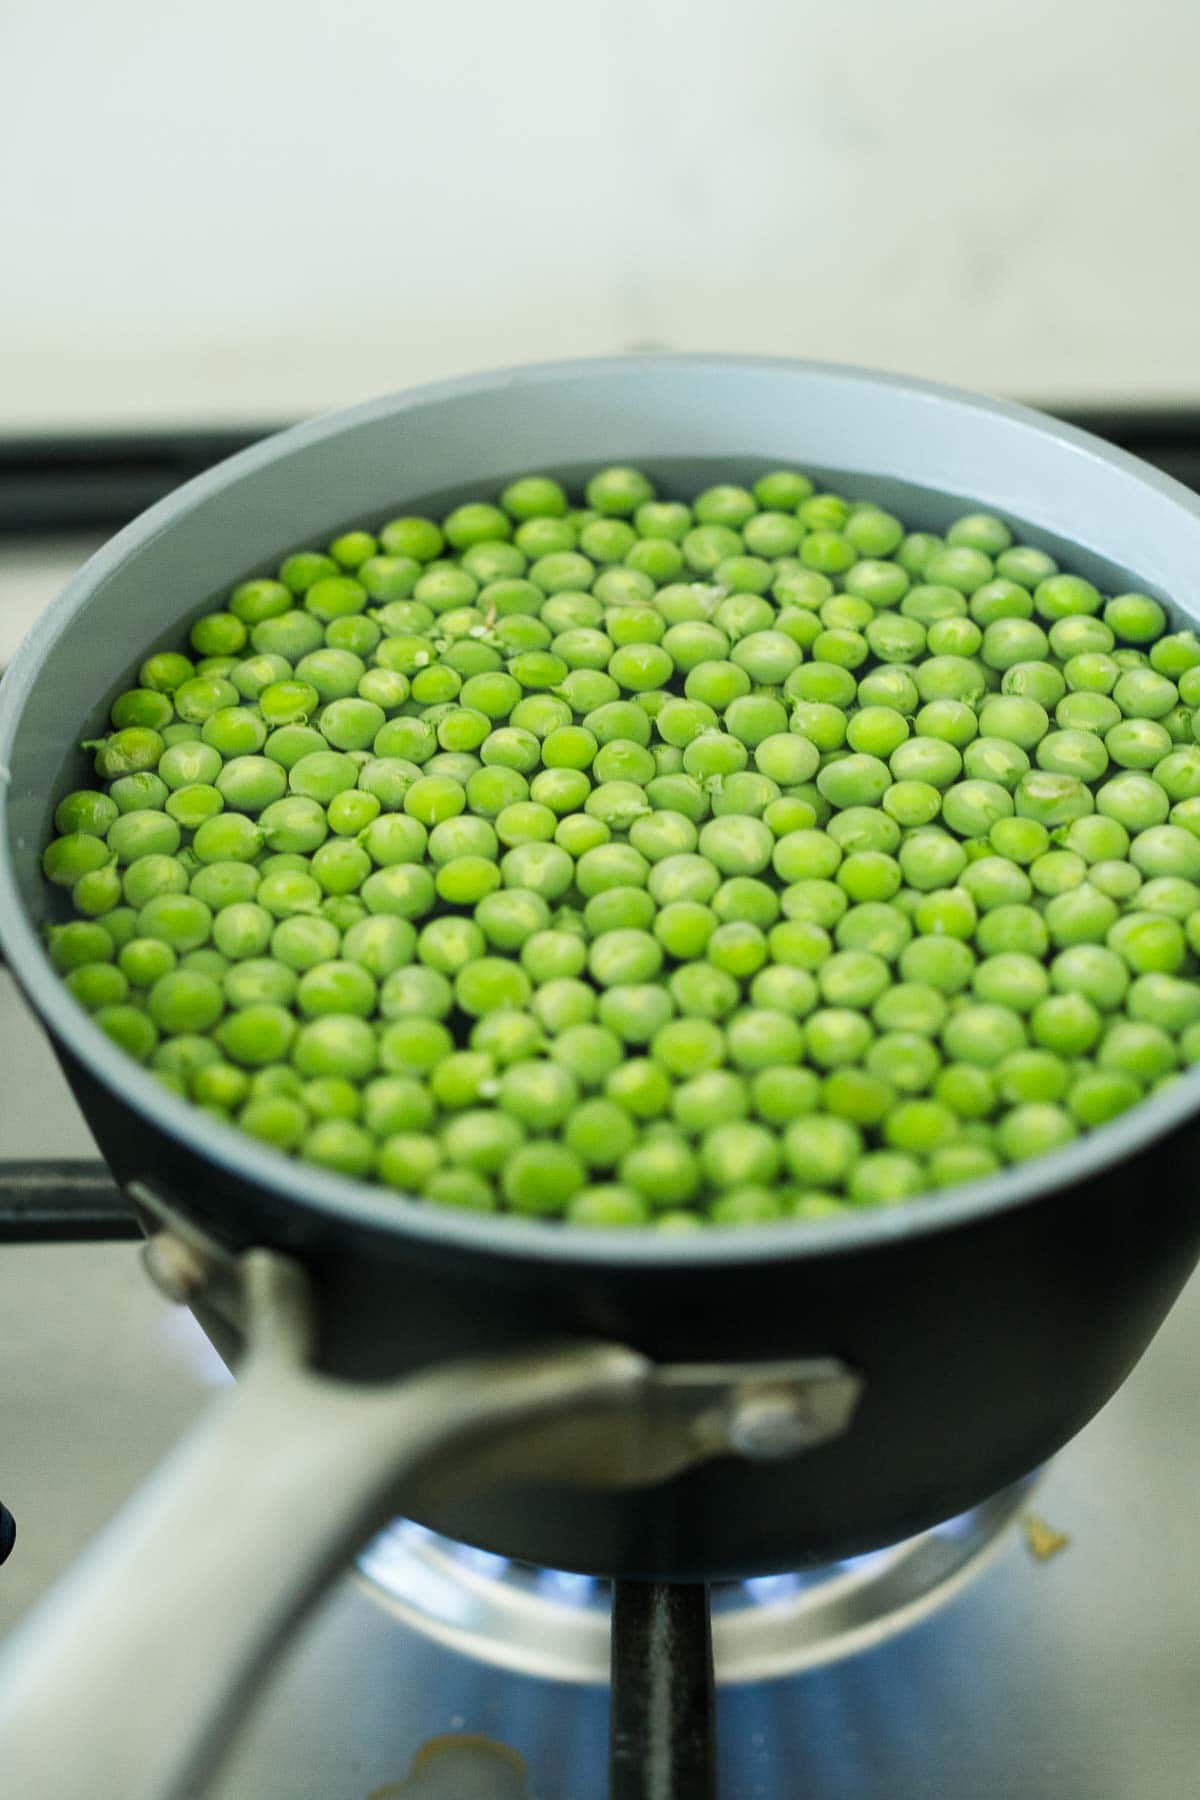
x: 644, y: 863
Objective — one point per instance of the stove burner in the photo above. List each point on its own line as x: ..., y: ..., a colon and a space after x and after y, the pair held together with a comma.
x: 547, y: 1623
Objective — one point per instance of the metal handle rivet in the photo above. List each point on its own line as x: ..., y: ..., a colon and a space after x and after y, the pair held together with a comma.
x: 766, y: 1424
x: 176, y: 1269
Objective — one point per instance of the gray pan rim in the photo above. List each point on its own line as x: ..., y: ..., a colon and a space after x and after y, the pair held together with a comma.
x: 340, y: 1200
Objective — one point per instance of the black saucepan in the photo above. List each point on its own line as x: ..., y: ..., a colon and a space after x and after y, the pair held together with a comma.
x: 730, y: 1403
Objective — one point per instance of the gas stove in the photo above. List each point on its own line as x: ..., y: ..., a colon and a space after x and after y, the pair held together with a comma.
x: 1044, y: 1647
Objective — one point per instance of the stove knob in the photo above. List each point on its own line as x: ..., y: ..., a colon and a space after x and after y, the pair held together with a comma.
x: 8, y: 1533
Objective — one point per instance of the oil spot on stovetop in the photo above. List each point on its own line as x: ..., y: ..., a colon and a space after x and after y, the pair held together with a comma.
x: 1042, y: 1540
x: 461, y: 1768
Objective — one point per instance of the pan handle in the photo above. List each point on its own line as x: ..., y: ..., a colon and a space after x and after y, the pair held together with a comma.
x: 127, y: 1681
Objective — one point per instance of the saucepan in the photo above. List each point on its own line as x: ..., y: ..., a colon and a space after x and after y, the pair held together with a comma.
x: 731, y: 1402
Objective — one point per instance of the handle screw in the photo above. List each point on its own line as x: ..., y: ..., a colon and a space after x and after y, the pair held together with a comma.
x: 176, y: 1269
x: 765, y: 1424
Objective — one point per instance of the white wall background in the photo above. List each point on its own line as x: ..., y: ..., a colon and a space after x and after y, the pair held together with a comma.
x: 255, y: 208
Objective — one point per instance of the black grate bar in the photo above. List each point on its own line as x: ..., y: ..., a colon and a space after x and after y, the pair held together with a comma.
x: 55, y: 485
x: 662, y: 1734
x: 51, y: 1202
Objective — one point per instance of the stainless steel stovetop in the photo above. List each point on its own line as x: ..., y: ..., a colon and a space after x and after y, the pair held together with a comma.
x: 1059, y: 1672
